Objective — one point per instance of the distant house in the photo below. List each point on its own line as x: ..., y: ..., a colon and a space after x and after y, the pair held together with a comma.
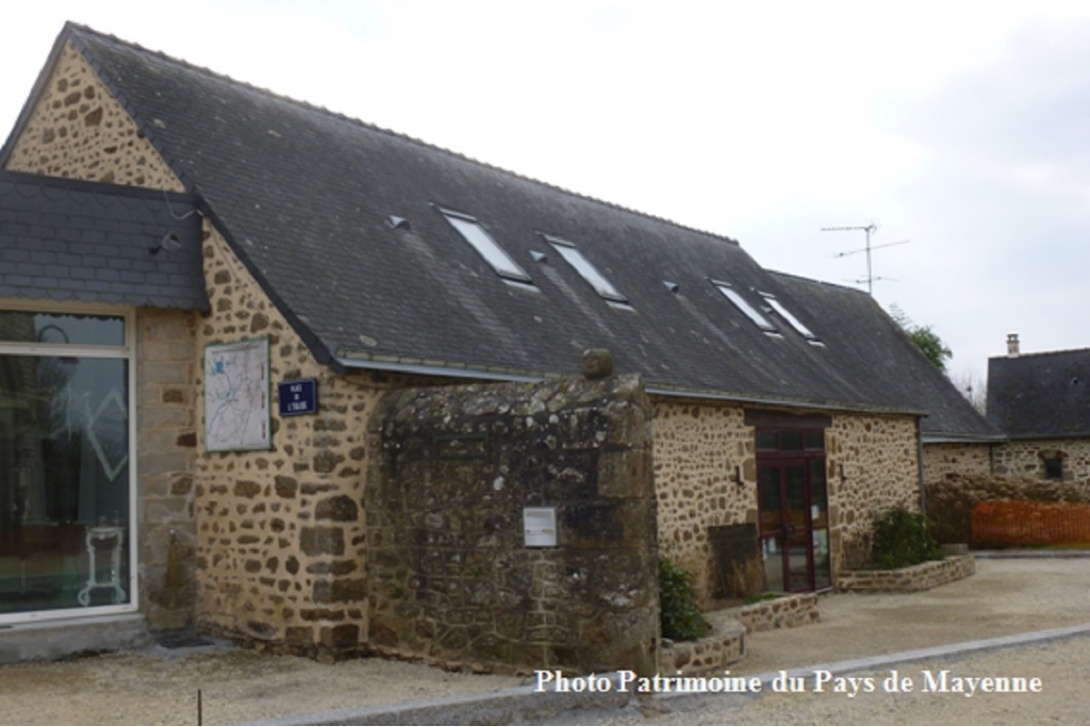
x: 358, y: 260
x: 1041, y: 401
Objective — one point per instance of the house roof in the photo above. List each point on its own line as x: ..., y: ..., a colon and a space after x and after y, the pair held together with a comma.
x: 1040, y: 395
x: 63, y: 239
x: 342, y: 224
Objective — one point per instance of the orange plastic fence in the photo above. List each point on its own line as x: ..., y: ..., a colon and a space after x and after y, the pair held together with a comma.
x: 1022, y: 522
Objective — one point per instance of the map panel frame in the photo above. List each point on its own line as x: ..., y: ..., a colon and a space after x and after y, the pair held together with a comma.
x: 237, y: 396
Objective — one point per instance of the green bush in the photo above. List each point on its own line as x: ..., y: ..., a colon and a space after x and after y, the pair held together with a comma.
x: 901, y: 538
x: 678, y: 606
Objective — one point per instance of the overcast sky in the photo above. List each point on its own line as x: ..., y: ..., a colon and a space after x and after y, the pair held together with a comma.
x: 958, y: 126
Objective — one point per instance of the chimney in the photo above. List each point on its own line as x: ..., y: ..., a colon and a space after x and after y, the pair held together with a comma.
x: 1012, y: 345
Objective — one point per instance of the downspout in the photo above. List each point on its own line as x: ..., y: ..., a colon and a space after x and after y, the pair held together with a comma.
x: 919, y: 466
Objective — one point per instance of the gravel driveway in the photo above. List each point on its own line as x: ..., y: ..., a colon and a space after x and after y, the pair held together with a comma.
x: 159, y: 686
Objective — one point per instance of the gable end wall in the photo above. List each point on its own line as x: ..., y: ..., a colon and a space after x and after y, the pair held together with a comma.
x: 78, y: 130
x: 280, y: 540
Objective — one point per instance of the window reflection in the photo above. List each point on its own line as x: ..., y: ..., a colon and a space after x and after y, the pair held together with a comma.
x: 83, y: 330
x: 64, y: 472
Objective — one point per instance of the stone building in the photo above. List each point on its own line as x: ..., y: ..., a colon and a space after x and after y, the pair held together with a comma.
x: 1041, y: 402
x: 345, y: 268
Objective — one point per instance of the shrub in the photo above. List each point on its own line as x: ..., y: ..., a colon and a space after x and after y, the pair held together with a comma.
x: 901, y: 538
x: 678, y: 606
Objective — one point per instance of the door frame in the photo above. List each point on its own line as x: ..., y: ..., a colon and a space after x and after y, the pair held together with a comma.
x: 781, y: 448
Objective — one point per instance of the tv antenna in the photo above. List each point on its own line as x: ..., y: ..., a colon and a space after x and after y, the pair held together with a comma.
x: 868, y: 229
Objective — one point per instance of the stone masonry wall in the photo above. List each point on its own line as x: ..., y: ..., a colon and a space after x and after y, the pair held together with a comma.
x: 79, y: 131
x: 699, y: 445
x: 697, y: 448
x: 1027, y: 457
x: 166, y: 450
x: 787, y: 612
x: 451, y: 578
x: 280, y: 540
x: 707, y: 656
x: 940, y: 460
x: 881, y: 470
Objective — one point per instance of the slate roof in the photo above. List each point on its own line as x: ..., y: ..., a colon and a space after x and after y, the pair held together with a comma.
x: 63, y: 239
x: 304, y: 196
x: 1041, y: 395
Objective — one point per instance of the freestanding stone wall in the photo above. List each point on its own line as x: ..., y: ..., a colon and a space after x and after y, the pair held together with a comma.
x: 450, y: 575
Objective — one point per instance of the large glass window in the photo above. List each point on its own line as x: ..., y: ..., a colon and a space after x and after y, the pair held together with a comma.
x: 65, y: 465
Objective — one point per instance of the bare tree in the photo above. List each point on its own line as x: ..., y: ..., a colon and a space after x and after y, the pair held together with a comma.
x: 973, y: 387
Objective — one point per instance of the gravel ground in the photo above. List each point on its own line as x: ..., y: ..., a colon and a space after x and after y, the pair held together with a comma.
x: 1063, y: 667
x: 1005, y: 597
x: 159, y: 686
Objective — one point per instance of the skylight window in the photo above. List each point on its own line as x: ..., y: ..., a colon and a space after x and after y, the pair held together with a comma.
x: 584, y: 267
x: 787, y: 316
x: 740, y: 303
x: 471, y: 230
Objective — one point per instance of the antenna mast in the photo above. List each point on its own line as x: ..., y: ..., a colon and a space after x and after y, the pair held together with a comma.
x: 868, y: 229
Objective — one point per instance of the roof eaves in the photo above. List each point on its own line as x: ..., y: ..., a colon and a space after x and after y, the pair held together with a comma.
x: 801, y: 402
x: 430, y: 367
x: 1029, y: 436
x: 962, y: 438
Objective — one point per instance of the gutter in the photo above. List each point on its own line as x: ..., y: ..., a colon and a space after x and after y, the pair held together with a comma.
x: 439, y: 368
x: 919, y: 467
x: 795, y: 403
x: 964, y: 438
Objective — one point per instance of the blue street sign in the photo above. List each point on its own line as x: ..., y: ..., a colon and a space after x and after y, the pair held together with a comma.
x: 298, y: 397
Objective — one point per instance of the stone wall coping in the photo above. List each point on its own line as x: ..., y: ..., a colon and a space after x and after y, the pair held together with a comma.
x: 725, y: 645
x: 919, y: 577
x: 786, y: 611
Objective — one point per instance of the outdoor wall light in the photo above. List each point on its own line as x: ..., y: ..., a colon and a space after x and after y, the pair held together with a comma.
x: 170, y: 243
x: 738, y: 475
x: 843, y: 477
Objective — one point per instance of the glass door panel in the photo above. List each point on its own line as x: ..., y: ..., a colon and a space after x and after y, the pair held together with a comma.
x: 822, y: 577
x: 797, y: 525
x: 794, y: 522
x: 819, y: 500
x: 798, y: 561
x: 769, y: 502
x: 64, y: 483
